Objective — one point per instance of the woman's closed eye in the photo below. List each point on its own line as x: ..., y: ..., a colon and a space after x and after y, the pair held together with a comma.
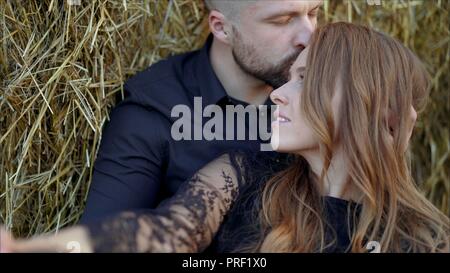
x: 301, y: 72
x: 298, y: 74
x: 300, y: 77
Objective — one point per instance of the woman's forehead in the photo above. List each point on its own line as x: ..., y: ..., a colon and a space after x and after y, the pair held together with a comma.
x: 300, y: 61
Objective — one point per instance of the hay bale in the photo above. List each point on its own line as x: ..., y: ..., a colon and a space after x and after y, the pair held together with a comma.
x: 62, y: 68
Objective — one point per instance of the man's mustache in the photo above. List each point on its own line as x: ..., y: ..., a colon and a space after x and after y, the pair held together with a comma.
x: 290, y: 60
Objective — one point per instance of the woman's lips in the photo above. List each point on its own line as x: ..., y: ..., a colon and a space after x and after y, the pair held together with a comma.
x: 283, y: 119
x: 280, y: 117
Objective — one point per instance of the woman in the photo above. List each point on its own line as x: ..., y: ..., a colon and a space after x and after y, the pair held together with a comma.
x: 344, y: 117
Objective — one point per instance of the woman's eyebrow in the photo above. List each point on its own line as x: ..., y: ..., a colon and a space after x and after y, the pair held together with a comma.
x: 297, y: 71
x: 300, y: 70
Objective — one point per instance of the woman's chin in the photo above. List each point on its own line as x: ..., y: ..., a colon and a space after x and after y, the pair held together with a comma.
x: 277, y: 146
x: 286, y: 146
x: 275, y: 143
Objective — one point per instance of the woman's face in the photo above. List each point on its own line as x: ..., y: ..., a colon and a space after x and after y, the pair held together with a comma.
x: 291, y: 131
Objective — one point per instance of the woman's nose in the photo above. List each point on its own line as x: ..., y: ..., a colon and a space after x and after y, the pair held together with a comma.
x: 278, y: 98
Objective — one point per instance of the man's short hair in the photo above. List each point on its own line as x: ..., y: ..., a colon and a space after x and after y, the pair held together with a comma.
x: 230, y: 8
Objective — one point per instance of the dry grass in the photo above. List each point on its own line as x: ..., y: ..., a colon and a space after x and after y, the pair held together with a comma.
x: 62, y: 68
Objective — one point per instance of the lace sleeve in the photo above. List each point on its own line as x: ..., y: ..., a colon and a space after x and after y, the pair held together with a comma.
x: 186, y: 222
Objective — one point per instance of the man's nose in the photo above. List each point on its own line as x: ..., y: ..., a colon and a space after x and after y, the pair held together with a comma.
x: 303, y: 32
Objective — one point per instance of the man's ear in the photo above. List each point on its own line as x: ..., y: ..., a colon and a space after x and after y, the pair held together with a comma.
x: 218, y: 26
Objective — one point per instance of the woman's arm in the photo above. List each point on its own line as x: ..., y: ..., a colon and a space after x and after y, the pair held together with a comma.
x: 187, y: 222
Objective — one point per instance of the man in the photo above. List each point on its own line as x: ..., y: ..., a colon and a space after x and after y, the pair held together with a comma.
x: 249, y: 52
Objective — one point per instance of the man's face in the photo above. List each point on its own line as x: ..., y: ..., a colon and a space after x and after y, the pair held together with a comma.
x: 271, y: 34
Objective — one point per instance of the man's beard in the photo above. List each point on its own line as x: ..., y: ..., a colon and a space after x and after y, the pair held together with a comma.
x: 247, y: 59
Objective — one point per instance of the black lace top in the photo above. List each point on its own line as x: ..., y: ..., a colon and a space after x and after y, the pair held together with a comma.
x: 191, y: 219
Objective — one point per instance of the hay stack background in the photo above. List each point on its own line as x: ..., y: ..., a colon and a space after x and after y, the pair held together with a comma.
x: 62, y: 68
